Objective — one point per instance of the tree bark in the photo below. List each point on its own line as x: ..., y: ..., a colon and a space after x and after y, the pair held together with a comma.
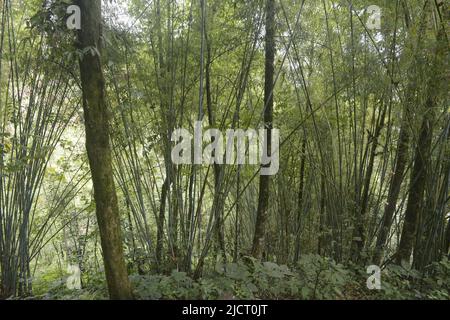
x: 415, y: 199
x: 161, y: 218
x: 422, y: 154
x: 264, y: 181
x: 99, y: 150
x: 300, y: 201
x: 447, y: 240
x: 402, y: 150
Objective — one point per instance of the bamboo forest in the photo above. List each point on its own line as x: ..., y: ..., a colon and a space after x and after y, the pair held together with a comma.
x: 224, y: 150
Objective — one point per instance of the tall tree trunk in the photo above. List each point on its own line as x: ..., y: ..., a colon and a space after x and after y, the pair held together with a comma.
x: 447, y: 240
x: 99, y: 150
x: 394, y: 191
x: 402, y: 149
x: 423, y: 149
x: 415, y: 199
x: 321, y: 242
x: 300, y: 201
x: 218, y: 170
x: 161, y: 218
x: 263, y: 201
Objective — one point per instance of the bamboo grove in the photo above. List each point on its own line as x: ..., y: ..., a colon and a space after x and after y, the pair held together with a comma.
x: 87, y: 116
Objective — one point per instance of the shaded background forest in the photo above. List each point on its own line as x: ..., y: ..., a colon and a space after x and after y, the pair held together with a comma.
x: 364, y: 151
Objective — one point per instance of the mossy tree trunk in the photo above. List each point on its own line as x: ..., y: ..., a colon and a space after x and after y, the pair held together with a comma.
x: 420, y: 170
x: 264, y: 182
x: 99, y: 149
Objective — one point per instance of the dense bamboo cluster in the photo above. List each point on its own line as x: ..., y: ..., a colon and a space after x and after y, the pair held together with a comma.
x: 363, y: 115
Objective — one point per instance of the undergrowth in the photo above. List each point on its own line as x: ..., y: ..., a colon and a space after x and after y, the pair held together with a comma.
x: 314, y: 277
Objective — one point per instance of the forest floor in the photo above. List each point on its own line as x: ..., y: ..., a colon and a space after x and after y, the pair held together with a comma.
x: 314, y: 278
